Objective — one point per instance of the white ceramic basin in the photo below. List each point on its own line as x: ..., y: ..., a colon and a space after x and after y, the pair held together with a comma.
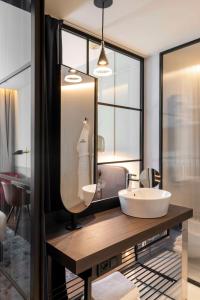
x: 144, y: 202
x: 88, y: 193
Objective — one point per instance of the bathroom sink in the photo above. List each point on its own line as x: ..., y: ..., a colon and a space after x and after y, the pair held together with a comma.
x: 88, y: 193
x: 144, y: 202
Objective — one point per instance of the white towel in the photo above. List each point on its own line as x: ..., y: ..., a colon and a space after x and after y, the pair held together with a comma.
x: 114, y: 287
x: 83, y: 163
x: 178, y: 244
x: 132, y: 295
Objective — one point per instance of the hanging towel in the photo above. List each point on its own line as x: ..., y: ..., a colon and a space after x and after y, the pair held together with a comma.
x: 132, y: 295
x: 114, y: 287
x: 83, y: 162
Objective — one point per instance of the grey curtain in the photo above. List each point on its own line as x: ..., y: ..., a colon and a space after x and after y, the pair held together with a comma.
x: 51, y: 120
x: 7, y: 117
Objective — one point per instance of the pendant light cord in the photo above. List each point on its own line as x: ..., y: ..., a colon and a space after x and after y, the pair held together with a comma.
x: 103, y: 23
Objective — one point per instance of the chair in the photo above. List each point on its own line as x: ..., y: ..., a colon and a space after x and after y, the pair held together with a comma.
x: 2, y: 232
x: 13, y: 174
x: 1, y: 196
x: 14, y: 198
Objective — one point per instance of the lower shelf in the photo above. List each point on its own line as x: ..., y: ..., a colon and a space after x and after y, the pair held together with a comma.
x: 156, y: 276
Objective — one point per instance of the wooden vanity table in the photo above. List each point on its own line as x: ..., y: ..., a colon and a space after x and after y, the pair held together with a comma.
x: 108, y: 234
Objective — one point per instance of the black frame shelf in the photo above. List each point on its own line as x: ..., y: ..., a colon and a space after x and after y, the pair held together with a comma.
x: 154, y: 268
x: 155, y: 277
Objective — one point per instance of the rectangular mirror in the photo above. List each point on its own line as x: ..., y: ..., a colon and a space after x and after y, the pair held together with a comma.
x: 78, y: 136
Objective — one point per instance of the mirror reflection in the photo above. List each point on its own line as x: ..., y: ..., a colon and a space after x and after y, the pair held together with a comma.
x: 78, y: 157
x: 150, y: 178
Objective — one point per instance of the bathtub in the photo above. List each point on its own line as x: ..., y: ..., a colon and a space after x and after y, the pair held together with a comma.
x: 194, y: 238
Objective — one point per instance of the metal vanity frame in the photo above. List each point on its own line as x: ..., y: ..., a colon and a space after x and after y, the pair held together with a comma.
x: 90, y: 253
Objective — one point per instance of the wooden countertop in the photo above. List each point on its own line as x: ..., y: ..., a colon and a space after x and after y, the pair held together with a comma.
x: 108, y: 234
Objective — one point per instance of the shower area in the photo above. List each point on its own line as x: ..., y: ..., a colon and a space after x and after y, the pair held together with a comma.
x: 180, y: 115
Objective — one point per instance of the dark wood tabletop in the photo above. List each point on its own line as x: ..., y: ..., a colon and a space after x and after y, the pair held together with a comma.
x: 108, y: 234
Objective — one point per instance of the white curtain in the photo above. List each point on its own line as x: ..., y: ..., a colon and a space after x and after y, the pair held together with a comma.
x: 7, y: 120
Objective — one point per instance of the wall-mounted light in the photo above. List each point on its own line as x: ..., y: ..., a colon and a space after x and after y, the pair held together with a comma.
x: 20, y: 152
x: 102, y: 68
x: 73, y: 77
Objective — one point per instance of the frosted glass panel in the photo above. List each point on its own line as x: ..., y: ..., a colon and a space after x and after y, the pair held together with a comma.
x: 123, y: 86
x: 127, y: 134
x: 106, y: 133
x: 119, y: 132
x: 127, y: 81
x: 132, y: 167
x: 74, y: 51
x: 105, y: 84
x: 181, y: 139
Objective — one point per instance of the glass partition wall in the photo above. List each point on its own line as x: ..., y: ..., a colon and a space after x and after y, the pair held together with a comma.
x: 120, y: 108
x: 181, y: 139
x: 15, y: 151
x: 18, y: 255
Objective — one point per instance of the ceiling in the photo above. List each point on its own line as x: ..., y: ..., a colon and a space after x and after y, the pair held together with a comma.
x: 19, y: 81
x: 144, y: 26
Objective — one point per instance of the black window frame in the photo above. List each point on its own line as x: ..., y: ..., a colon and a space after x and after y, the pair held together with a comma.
x: 111, y: 202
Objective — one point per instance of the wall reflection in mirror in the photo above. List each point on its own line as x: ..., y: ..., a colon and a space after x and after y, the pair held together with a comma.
x: 78, y: 159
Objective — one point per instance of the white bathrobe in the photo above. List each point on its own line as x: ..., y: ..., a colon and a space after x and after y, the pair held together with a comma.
x: 84, y: 161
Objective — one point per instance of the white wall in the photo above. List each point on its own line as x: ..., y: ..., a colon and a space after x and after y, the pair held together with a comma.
x: 15, y: 38
x: 151, y: 112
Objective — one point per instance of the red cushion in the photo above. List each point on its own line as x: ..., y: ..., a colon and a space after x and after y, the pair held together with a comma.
x: 12, y: 174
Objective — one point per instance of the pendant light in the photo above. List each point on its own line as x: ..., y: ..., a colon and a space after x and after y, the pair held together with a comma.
x: 73, y: 77
x: 102, y: 68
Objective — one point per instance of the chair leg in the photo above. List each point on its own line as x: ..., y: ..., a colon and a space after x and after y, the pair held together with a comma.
x: 1, y: 251
x: 10, y: 213
x: 28, y: 210
x: 18, y: 219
